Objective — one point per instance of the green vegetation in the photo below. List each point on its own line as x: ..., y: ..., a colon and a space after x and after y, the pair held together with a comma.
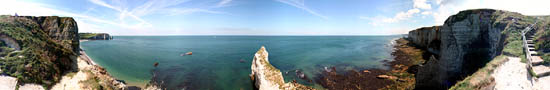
x: 92, y: 81
x: 546, y: 57
x: 462, y: 15
x: 87, y: 35
x: 532, y: 73
x: 71, y: 74
x: 40, y: 60
x: 542, y: 39
x: 480, y: 78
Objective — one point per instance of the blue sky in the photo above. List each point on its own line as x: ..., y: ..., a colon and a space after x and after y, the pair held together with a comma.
x: 260, y: 17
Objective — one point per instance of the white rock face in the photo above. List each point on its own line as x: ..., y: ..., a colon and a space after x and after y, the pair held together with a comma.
x: 267, y: 77
x: 463, y: 41
x: 7, y: 82
x: 31, y: 87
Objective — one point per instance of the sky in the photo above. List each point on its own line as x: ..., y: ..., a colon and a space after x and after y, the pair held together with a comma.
x: 260, y: 17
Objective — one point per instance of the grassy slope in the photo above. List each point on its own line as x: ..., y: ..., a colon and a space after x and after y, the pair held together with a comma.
x: 41, y: 59
x: 542, y: 37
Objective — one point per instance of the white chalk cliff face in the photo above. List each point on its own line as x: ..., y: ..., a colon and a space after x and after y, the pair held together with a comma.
x: 267, y: 77
x: 462, y: 44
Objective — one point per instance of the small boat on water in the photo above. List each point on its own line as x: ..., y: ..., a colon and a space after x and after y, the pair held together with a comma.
x: 188, y: 53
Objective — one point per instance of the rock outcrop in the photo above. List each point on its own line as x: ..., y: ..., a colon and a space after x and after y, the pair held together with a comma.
x: 63, y: 30
x: 464, y: 43
x: 95, y: 36
x: 267, y: 77
x: 38, y: 49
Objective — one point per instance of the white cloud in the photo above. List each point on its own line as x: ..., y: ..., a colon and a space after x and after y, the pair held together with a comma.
x: 447, y: 8
x: 10, y: 7
x: 381, y: 20
x: 223, y: 3
x: 422, y: 4
x: 402, y: 16
x: 300, y: 4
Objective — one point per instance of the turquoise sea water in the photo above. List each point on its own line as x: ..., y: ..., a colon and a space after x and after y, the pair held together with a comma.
x: 217, y: 64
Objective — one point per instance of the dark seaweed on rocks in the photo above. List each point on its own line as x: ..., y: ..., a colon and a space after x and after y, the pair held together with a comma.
x: 399, y: 77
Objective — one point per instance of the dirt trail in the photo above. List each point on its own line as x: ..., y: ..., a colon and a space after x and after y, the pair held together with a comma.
x: 512, y: 75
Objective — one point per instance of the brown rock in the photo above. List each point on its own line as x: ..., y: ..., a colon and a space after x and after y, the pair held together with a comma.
x: 366, y: 71
x: 386, y: 77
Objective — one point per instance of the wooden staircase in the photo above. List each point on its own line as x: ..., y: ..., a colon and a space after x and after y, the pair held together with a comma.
x: 536, y: 63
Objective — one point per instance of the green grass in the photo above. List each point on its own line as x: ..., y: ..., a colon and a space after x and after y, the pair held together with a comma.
x: 87, y: 35
x: 546, y: 57
x: 92, y: 81
x: 71, y: 74
x: 481, y: 77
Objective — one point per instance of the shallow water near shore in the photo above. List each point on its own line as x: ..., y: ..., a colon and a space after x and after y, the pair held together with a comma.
x: 223, y: 62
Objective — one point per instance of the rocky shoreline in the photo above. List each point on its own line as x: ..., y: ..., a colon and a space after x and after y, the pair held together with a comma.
x: 102, y: 74
x: 89, y: 75
x: 399, y: 76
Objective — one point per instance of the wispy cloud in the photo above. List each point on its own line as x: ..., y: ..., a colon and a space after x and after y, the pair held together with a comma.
x: 191, y: 10
x: 301, y: 4
x: 166, y: 7
x: 400, y: 16
x: 418, y: 6
x: 223, y: 3
x: 422, y: 4
x: 85, y: 22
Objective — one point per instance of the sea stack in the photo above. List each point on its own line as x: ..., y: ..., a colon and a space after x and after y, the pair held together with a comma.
x: 266, y: 77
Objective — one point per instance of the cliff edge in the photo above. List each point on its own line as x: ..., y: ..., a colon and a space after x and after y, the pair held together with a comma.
x: 267, y: 77
x: 95, y: 36
x: 39, y: 51
x: 466, y: 42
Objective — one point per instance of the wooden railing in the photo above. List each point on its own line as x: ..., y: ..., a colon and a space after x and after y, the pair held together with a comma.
x: 526, y: 47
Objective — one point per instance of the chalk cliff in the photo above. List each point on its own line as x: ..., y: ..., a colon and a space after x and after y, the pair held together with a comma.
x: 464, y: 43
x: 267, y: 77
x: 39, y: 50
x: 95, y: 36
x: 62, y: 30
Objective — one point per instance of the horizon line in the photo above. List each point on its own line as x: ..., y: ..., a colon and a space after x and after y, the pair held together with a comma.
x: 261, y: 35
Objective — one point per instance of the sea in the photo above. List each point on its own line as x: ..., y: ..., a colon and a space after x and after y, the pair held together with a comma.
x: 224, y: 62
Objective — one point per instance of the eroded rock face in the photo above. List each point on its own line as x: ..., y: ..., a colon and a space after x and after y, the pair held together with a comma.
x: 267, y: 77
x: 461, y: 45
x: 46, y: 47
x: 63, y: 30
